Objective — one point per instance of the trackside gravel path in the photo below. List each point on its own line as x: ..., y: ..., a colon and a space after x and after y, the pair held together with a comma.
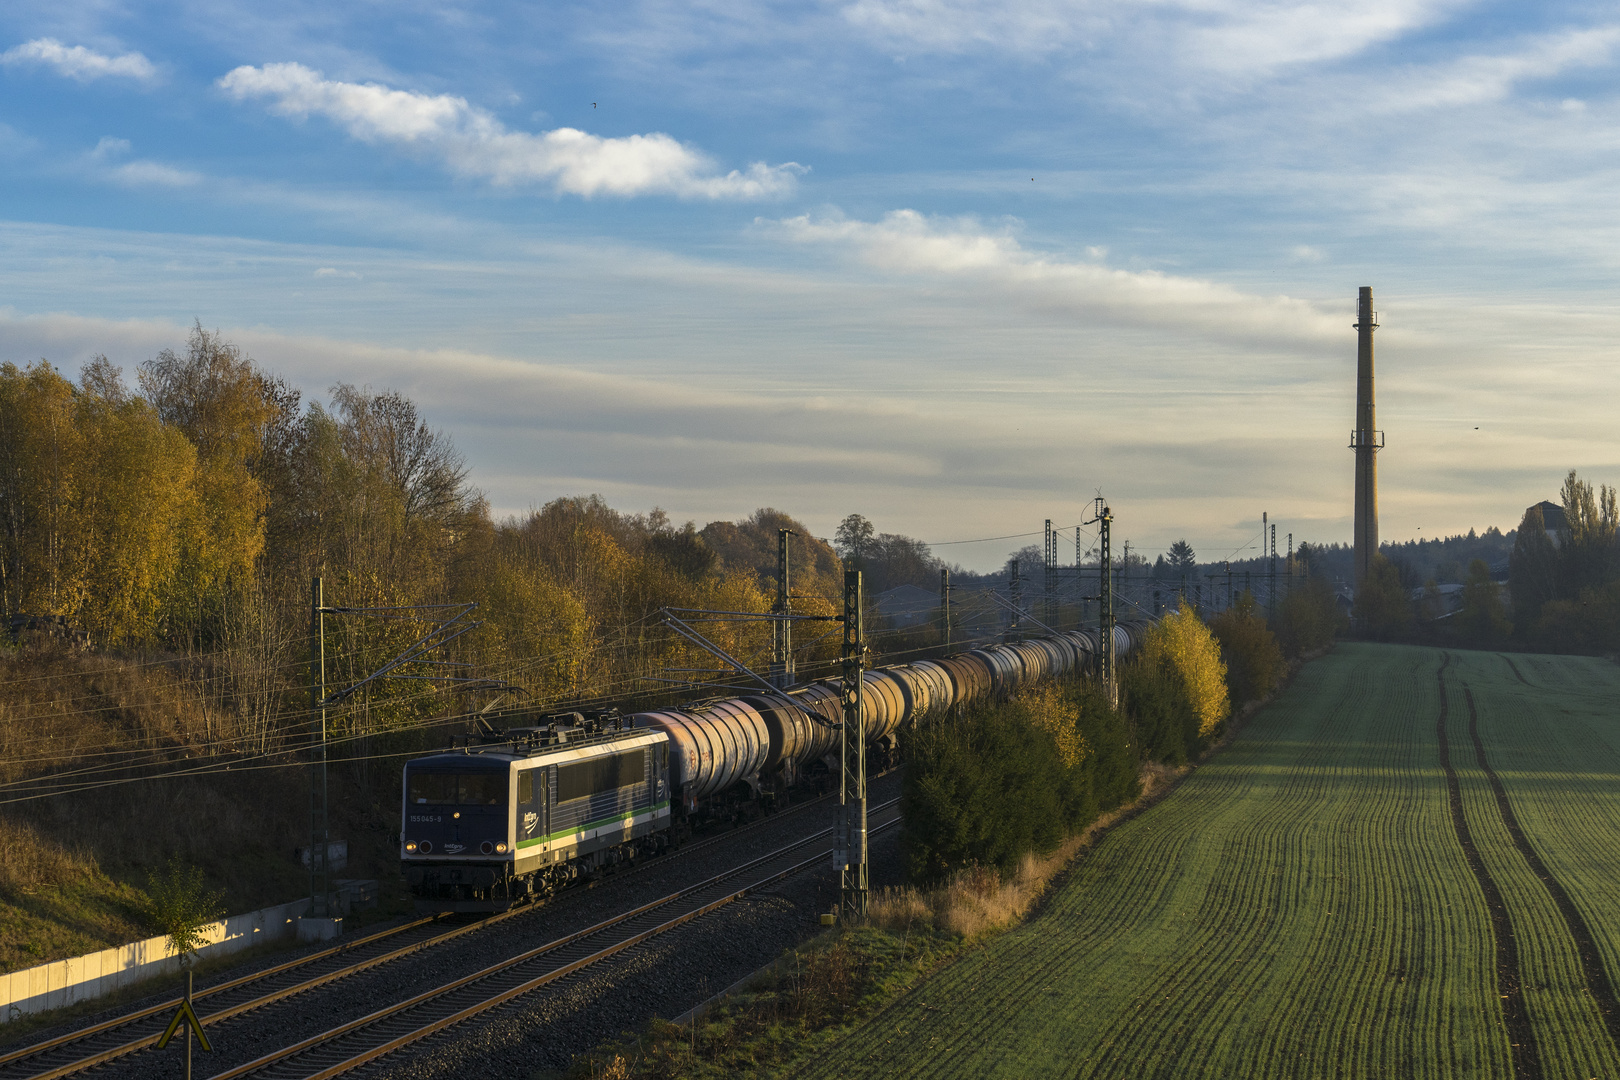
x: 1325, y: 898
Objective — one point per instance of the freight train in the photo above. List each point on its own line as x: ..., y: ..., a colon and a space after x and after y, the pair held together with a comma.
x: 513, y: 816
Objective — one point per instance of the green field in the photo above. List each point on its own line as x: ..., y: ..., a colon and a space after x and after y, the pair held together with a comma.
x: 1304, y: 904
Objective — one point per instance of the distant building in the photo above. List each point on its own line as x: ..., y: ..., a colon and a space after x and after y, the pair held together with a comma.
x: 1444, y: 601
x: 1552, y: 518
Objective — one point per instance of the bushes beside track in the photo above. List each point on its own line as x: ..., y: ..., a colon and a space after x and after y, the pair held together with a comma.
x: 1175, y: 689
x: 1253, y: 656
x: 1001, y: 781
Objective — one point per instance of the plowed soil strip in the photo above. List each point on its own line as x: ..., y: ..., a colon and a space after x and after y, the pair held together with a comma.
x: 1526, y: 1059
x: 1597, y: 976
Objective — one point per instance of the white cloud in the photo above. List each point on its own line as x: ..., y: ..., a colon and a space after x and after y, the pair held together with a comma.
x: 78, y: 62
x: 153, y: 174
x: 472, y: 142
x: 334, y: 272
x: 1229, y: 36
x: 109, y: 146
x: 138, y: 173
x: 908, y: 243
x: 1475, y: 79
x: 978, y: 397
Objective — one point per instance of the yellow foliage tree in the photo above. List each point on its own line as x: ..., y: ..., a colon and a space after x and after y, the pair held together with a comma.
x: 136, y: 501
x: 97, y: 492
x: 1180, y: 642
x: 40, y: 448
x: 213, y: 396
x: 1056, y: 713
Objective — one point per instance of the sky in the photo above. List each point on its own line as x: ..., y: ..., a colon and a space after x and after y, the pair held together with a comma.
x: 957, y: 266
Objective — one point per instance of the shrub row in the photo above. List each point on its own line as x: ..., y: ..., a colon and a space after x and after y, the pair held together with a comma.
x: 985, y: 788
x: 998, y: 782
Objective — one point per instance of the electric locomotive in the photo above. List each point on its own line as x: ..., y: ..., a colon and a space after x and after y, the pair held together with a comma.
x: 496, y: 822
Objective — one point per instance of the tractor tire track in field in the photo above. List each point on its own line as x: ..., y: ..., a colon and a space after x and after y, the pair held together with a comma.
x: 1597, y: 976
x: 1509, y: 988
x: 1508, y: 660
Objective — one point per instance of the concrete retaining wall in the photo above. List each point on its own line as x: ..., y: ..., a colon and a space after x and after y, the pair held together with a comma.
x: 81, y: 978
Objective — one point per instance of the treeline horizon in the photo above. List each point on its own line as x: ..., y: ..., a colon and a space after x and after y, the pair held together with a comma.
x: 186, y: 515
x: 181, y: 511
x: 1563, y: 586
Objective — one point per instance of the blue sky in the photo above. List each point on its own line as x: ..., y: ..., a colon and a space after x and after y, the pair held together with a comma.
x: 957, y: 266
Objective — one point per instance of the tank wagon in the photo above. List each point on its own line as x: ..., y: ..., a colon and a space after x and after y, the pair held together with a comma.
x: 513, y: 816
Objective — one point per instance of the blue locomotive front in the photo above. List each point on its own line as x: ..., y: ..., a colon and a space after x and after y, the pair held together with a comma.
x: 518, y: 815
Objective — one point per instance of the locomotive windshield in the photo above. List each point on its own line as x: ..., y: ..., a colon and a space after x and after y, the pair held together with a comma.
x: 455, y: 789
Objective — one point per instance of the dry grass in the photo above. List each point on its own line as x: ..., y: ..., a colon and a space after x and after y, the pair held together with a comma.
x: 33, y: 861
x: 816, y: 988
x: 978, y: 900
x: 975, y: 901
x: 74, y: 866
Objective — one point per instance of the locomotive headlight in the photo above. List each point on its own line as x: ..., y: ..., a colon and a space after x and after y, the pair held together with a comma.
x: 411, y: 846
x: 500, y: 849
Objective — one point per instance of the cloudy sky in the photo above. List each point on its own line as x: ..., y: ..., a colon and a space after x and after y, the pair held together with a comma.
x: 955, y: 265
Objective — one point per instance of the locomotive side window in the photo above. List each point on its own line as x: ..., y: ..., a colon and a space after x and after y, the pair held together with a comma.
x: 586, y: 778
x: 456, y: 789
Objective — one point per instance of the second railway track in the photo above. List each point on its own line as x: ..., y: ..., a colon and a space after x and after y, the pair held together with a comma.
x: 358, y: 1042
x: 102, y: 1042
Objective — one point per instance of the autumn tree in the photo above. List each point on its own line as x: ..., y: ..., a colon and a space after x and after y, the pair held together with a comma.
x: 1482, y: 620
x: 750, y: 543
x: 1383, y: 603
x: 94, y: 492
x: 1254, y: 661
x: 1586, y: 550
x: 1532, y: 570
x: 137, y: 515
x: 854, y: 538
x: 1182, y: 645
x: 215, y: 396
x: 40, y: 458
x: 1308, y: 617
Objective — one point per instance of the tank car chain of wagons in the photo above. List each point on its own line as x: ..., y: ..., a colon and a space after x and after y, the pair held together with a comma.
x: 513, y: 817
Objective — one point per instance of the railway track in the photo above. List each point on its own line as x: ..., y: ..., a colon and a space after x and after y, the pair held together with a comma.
x: 358, y: 1042
x: 102, y: 1042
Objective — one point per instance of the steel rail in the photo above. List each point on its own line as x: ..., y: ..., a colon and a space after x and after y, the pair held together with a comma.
x: 551, y: 974
x: 174, y: 1003
x: 132, y: 1045
x: 257, y: 1002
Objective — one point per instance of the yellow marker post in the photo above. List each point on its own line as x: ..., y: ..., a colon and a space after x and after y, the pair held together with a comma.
x: 189, y: 1015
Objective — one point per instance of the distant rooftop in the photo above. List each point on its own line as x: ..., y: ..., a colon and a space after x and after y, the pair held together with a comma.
x: 1552, y: 515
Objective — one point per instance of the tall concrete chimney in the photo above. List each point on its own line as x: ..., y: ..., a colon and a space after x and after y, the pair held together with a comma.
x: 1366, y: 440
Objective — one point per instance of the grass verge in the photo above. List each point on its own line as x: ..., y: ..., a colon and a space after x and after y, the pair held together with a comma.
x: 814, y: 993
x: 817, y: 992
